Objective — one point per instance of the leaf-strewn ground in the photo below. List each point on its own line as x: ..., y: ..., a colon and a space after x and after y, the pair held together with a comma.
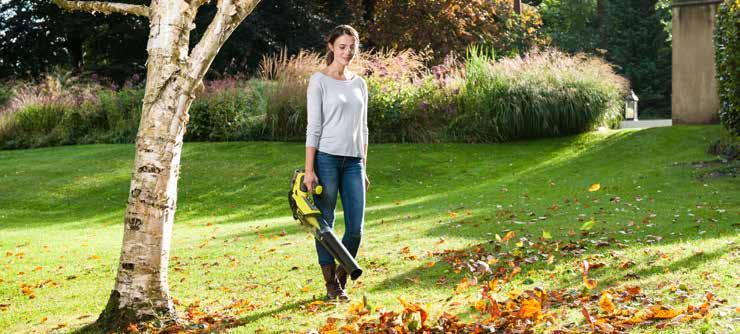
x: 658, y: 220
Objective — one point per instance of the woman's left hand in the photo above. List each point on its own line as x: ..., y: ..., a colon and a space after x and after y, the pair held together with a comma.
x: 367, y: 183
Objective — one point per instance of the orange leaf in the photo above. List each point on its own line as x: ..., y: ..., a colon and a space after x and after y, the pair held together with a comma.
x: 480, y: 305
x: 495, y: 311
x: 594, y: 187
x: 349, y: 328
x: 414, y: 307
x: 515, y: 271
x: 633, y: 290
x: 26, y: 290
x: 493, y: 285
x: 596, y: 265
x: 663, y: 312
x: 626, y: 264
x: 590, y: 283
x: 605, y: 302
x: 508, y: 236
x: 132, y: 328
x: 510, y: 306
x: 530, y: 308
x: 357, y: 308
x: 330, y: 327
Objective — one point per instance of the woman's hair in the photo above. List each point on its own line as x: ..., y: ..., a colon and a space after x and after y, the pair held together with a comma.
x: 341, y: 30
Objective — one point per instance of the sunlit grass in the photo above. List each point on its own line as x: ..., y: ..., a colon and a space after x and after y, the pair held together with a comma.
x: 234, y: 238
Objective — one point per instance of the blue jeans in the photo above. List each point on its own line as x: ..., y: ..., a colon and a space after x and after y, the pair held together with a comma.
x: 345, y: 175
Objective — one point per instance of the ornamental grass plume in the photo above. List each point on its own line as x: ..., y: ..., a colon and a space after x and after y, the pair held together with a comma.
x: 286, y: 92
x: 55, y: 89
x: 543, y: 93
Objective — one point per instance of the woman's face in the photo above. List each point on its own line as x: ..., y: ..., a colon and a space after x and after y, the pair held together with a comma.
x: 344, y: 49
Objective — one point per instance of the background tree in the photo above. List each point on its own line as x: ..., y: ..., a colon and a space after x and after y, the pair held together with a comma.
x: 447, y: 26
x: 631, y: 34
x: 571, y: 25
x: 37, y: 37
x: 174, y: 71
x: 276, y: 25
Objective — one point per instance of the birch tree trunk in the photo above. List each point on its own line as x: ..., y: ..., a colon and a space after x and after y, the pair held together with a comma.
x: 141, y: 292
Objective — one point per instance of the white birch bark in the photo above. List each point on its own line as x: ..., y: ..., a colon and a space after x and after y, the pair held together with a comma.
x: 141, y: 291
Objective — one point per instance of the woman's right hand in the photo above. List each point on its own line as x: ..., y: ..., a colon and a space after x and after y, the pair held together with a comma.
x: 310, y: 180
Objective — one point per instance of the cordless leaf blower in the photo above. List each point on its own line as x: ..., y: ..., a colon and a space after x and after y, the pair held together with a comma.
x: 305, y: 210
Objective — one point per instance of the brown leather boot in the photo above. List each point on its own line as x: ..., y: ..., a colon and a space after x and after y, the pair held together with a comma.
x: 329, y: 272
x: 342, y: 280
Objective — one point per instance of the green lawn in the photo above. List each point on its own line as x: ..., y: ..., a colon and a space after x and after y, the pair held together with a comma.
x: 61, y: 214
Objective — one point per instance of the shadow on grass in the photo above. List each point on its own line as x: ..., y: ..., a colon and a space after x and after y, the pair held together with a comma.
x: 249, y: 180
x: 231, y: 178
x: 257, y: 316
x: 92, y: 328
x: 685, y: 264
x: 442, y: 274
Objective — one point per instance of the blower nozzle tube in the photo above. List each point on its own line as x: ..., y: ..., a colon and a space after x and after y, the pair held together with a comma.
x: 326, y: 237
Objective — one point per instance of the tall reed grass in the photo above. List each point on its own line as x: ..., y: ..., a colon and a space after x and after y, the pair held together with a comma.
x: 285, y: 93
x: 544, y: 93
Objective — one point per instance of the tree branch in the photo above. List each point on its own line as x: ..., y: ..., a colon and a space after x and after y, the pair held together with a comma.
x: 104, y: 7
x: 229, y: 15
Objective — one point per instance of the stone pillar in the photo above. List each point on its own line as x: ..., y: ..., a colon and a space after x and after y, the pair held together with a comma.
x: 694, y: 99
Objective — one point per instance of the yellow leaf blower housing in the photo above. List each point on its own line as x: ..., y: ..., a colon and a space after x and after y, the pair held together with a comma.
x: 305, y: 210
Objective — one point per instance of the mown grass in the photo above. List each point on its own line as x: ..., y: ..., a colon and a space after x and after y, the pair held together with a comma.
x: 61, y: 209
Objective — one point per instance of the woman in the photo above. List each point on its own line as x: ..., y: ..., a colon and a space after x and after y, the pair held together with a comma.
x: 336, y: 149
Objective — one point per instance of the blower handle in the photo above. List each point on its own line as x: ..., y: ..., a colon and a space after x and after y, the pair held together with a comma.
x: 317, y: 190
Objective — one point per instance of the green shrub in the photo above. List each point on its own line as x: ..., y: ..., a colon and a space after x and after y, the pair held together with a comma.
x: 33, y: 126
x: 543, y: 94
x: 115, y: 118
x: 230, y: 115
x: 727, y: 58
x: 407, y: 111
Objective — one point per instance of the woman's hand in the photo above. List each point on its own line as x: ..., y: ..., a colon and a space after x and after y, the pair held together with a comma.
x: 310, y: 180
x: 367, y: 182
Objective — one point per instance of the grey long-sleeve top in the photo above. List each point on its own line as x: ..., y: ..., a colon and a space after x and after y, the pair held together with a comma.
x: 337, y: 115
